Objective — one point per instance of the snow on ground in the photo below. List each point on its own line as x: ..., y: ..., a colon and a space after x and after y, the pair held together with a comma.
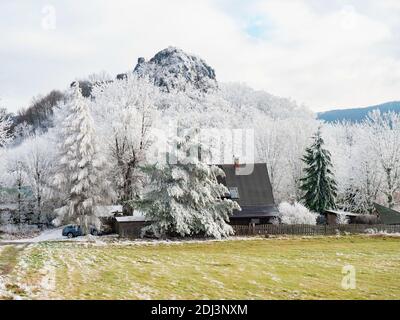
x: 47, y: 235
x: 3, y: 291
x: 56, y: 235
x: 8, y: 206
x: 375, y: 233
x: 21, y: 229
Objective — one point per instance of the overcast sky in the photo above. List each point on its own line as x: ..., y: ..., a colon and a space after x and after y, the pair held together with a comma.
x: 324, y: 54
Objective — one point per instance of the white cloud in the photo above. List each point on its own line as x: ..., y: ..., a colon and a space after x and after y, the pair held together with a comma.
x: 343, y: 55
x: 328, y: 59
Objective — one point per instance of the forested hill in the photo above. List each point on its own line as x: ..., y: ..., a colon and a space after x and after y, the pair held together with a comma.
x: 170, y: 69
x: 357, y: 114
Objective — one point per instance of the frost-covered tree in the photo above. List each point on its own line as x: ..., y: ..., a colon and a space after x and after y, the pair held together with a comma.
x: 296, y: 214
x: 185, y: 197
x: 242, y: 97
x: 296, y: 133
x: 22, y: 131
x: 366, y: 173
x: 4, y: 140
x: 38, y: 161
x: 18, y: 180
x: 125, y: 112
x: 29, y: 176
x: 358, y: 170
x: 384, y: 139
x: 80, y: 172
x: 342, y: 219
x: 319, y: 185
x: 270, y: 148
x: 280, y: 143
x: 5, y: 123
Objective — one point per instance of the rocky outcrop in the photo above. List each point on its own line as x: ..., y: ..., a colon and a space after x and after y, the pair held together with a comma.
x: 173, y: 69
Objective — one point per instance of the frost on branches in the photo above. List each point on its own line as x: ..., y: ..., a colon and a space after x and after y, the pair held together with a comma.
x: 5, y: 123
x: 385, y: 142
x: 342, y: 219
x: 80, y: 165
x: 125, y: 111
x: 186, y: 198
x: 296, y: 214
x: 319, y: 184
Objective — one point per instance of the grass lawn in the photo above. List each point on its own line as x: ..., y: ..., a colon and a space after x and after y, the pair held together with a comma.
x: 289, y: 268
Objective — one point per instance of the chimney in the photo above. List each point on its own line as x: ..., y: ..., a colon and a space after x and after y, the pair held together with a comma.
x: 236, y: 162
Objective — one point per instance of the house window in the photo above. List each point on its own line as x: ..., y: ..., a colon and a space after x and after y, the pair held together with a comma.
x: 234, y: 192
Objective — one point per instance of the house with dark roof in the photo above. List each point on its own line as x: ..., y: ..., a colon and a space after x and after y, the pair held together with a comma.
x: 252, y: 190
x: 387, y: 215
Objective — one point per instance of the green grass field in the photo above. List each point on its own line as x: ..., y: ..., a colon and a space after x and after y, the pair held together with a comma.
x: 290, y: 268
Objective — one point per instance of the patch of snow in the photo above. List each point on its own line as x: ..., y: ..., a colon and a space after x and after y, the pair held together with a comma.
x: 374, y: 232
x: 47, y: 235
x: 3, y: 291
x: 19, y: 229
x: 9, y: 206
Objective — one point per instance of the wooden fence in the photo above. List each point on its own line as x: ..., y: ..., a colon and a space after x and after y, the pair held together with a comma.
x: 310, y: 230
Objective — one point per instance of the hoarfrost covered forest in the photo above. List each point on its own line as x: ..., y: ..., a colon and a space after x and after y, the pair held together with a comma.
x: 120, y: 114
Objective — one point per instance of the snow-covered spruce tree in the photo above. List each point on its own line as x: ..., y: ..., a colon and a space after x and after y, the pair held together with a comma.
x: 185, y: 196
x: 5, y: 124
x: 319, y: 184
x: 80, y: 165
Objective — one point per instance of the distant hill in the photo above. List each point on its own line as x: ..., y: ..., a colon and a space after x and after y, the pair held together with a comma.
x: 170, y: 69
x: 357, y: 114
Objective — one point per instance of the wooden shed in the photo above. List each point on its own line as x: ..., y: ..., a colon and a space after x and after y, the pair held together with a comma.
x: 387, y: 215
x: 131, y: 226
x: 353, y: 218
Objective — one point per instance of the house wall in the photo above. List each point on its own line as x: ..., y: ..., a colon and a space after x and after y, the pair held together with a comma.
x: 248, y: 221
x: 331, y: 218
x: 131, y: 229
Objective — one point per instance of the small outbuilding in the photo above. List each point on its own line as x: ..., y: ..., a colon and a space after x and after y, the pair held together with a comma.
x: 106, y: 215
x: 131, y: 226
x: 387, y: 215
x: 332, y: 217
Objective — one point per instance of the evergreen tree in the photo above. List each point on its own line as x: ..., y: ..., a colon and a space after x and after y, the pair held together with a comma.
x: 5, y: 124
x: 80, y: 166
x: 319, y: 185
x: 186, y: 198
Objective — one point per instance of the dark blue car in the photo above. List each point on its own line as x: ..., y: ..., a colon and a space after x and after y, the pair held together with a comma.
x: 73, y: 231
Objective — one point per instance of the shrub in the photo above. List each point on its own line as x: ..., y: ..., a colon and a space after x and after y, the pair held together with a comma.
x: 296, y: 214
x: 342, y: 219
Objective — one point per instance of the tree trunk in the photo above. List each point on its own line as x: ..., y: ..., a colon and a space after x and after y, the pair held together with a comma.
x: 19, y: 201
x: 389, y: 194
x: 127, y: 189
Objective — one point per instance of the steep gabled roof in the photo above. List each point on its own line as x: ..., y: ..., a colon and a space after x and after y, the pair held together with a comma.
x: 254, y: 189
x: 387, y: 215
x: 346, y: 213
